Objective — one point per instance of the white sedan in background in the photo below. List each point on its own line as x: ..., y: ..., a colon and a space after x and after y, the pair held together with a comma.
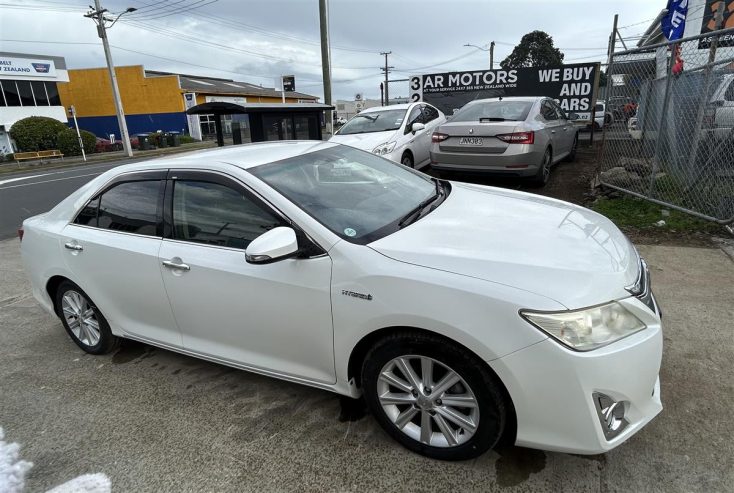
x: 461, y: 313
x: 401, y: 132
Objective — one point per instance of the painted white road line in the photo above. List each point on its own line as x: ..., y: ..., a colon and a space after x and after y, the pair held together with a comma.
x: 48, y: 181
x: 63, y: 171
x: 9, y: 180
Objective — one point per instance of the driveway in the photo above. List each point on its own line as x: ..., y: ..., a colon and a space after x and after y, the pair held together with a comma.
x: 153, y: 420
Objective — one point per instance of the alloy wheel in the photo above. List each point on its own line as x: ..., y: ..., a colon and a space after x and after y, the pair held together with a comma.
x: 81, y: 318
x: 428, y: 401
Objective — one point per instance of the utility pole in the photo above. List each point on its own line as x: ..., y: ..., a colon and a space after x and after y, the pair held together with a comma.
x: 325, y: 62
x: 610, y: 85
x: 386, y: 69
x: 98, y: 16
x: 491, y: 56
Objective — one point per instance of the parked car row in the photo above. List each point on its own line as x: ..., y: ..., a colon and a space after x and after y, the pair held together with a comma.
x: 513, y: 136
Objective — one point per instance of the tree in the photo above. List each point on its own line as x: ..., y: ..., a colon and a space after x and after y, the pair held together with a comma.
x: 68, y: 142
x: 36, y: 133
x: 535, y: 50
x: 602, y: 78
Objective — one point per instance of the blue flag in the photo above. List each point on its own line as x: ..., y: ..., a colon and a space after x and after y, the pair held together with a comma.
x: 674, y: 23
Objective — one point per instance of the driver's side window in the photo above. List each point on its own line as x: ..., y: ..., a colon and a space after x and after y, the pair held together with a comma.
x: 215, y: 214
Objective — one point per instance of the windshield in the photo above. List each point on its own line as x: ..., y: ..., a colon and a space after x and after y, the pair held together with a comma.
x: 357, y: 195
x: 374, y: 121
x: 516, y: 111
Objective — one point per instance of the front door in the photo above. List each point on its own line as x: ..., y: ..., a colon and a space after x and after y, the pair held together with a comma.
x: 272, y: 317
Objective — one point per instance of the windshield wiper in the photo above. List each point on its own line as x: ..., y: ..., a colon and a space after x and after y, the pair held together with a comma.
x: 415, y: 213
x: 492, y: 119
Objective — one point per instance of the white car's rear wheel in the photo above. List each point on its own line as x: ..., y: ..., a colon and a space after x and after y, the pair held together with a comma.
x: 433, y: 397
x: 84, y: 323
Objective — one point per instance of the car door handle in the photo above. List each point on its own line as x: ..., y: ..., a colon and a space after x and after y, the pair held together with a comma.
x: 174, y: 265
x: 73, y: 246
x: 553, y: 131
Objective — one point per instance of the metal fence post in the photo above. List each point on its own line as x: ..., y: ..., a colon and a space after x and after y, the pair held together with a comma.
x: 663, y: 119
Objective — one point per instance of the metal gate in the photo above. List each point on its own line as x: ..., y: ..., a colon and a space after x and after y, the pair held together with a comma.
x: 671, y: 133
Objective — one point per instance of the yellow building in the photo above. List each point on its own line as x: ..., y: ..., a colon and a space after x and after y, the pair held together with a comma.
x: 155, y: 101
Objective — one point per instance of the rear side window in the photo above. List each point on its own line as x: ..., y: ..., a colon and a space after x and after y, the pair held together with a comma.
x: 429, y: 113
x: 548, y: 112
x: 729, y: 95
x: 130, y: 207
x: 214, y: 214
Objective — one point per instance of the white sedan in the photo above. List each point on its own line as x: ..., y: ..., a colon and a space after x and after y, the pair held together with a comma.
x: 401, y: 132
x: 461, y: 313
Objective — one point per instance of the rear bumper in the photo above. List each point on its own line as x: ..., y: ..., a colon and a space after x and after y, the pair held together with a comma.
x: 552, y: 389
x: 506, y: 163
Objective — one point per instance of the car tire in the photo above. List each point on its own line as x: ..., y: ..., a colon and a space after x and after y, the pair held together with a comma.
x: 416, y: 417
x: 83, y: 321
x: 574, y: 148
x: 407, y: 160
x: 543, y: 175
x: 608, y: 119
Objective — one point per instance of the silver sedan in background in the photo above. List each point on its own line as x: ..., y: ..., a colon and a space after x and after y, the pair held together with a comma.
x: 515, y: 136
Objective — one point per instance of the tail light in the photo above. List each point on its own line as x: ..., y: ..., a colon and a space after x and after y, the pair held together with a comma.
x: 20, y: 234
x: 438, y: 137
x: 518, y: 138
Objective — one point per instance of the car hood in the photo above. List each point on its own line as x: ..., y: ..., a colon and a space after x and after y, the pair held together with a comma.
x: 545, y: 246
x: 365, y: 141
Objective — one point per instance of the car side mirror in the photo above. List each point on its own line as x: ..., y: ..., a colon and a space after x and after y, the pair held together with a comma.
x: 574, y: 116
x: 277, y: 244
x: 417, y: 127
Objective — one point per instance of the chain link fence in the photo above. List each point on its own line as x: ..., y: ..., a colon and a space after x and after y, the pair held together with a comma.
x: 672, y: 138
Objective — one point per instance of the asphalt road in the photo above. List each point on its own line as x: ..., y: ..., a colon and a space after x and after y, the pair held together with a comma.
x: 26, y: 194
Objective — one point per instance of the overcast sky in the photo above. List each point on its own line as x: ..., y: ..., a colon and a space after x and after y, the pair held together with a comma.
x: 257, y: 40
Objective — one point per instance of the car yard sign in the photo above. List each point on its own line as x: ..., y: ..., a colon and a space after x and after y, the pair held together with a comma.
x: 573, y: 86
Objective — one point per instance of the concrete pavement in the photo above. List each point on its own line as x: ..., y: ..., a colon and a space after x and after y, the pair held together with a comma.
x: 153, y: 420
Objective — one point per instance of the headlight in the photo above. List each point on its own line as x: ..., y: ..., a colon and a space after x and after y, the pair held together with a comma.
x: 385, y: 148
x: 587, y: 329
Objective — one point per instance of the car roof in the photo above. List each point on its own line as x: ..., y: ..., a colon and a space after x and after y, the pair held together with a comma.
x: 401, y: 106
x: 511, y: 98
x: 243, y: 156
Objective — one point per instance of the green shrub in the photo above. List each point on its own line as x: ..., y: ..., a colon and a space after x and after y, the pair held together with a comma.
x: 187, y: 139
x: 68, y: 142
x: 36, y: 133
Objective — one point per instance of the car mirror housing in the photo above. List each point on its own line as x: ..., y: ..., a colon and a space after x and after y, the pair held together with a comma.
x: 417, y: 127
x: 277, y: 244
x: 574, y: 116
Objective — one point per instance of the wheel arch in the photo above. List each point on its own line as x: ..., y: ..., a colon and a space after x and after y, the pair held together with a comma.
x: 52, y: 285
x: 359, y: 351
x: 410, y: 153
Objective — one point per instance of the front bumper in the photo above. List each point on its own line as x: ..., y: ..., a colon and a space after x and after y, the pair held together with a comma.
x: 552, y: 388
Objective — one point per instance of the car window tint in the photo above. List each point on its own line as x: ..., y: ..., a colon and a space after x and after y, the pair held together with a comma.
x: 548, y: 112
x: 599, y: 108
x: 559, y: 111
x: 415, y: 115
x: 131, y: 207
x: 88, y: 215
x: 494, y: 111
x: 429, y: 113
x: 214, y: 214
x: 729, y: 96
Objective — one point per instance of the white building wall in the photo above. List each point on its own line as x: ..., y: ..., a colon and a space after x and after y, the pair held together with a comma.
x: 11, y: 114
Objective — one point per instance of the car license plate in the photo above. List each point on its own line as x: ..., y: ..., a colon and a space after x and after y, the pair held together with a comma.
x: 470, y: 141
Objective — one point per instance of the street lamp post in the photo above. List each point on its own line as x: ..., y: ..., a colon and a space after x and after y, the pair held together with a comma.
x: 99, y: 18
x: 490, y: 50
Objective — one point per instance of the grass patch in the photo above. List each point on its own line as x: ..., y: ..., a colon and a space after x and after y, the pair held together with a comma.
x: 641, y: 214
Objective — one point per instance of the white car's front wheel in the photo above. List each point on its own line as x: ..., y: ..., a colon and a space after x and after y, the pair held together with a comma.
x: 434, y: 397
x: 83, y: 321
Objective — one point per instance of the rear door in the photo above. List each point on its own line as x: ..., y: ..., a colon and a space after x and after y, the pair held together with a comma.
x: 112, y: 250
x: 567, y: 130
x: 553, y: 127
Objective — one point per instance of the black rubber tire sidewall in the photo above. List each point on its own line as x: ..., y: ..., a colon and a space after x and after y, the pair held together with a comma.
x: 409, y: 157
x: 540, y: 180
x: 107, y: 340
x: 492, y: 406
x: 572, y: 156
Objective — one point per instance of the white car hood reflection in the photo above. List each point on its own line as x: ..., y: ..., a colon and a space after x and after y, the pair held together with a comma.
x: 366, y: 141
x: 549, y: 247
